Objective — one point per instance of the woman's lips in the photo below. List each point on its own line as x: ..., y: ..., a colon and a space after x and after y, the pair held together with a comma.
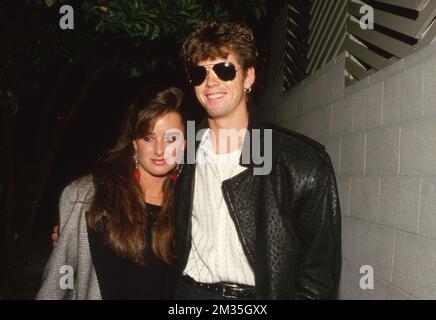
x: 158, y: 162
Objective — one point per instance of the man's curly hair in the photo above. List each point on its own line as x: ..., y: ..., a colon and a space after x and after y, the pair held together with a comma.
x: 218, y: 40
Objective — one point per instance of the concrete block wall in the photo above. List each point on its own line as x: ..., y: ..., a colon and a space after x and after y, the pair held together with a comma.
x: 381, y: 136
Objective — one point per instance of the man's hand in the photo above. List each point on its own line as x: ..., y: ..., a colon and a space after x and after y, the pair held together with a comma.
x: 55, y: 235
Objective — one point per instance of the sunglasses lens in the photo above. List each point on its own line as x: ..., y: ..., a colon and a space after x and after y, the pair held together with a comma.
x: 197, y: 75
x: 226, y: 71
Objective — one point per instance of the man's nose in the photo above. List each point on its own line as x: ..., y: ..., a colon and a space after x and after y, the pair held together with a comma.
x: 211, y: 78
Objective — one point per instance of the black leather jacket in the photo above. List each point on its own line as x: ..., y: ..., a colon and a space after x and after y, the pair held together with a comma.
x: 288, y: 221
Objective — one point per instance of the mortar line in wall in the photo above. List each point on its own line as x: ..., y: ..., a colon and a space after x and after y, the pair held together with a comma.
x: 331, y: 120
x: 404, y: 292
x: 382, y: 120
x: 390, y: 227
x: 399, y: 151
x: 378, y: 199
x: 374, y: 223
x: 364, y: 153
x: 422, y: 90
x: 393, y: 257
x: 339, y: 155
x: 347, y: 198
x: 419, y: 204
x: 352, y: 112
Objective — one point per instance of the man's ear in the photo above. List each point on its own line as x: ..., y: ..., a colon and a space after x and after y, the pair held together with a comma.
x: 250, y: 77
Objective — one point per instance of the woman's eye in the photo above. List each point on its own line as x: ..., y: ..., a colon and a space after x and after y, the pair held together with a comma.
x: 147, y: 138
x: 170, y: 138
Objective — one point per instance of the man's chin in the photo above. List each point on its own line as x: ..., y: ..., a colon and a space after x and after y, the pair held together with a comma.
x: 216, y: 113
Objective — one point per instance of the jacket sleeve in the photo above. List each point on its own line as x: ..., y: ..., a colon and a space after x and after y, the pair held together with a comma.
x: 319, y: 231
x: 63, y: 257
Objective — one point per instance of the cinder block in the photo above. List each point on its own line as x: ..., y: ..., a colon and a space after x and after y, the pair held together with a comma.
x: 368, y: 244
x: 305, y: 98
x: 429, y: 85
x: 375, y: 105
x: 378, y: 293
x: 324, y: 123
x: 367, y: 107
x: 335, y: 82
x: 399, y: 203
x: 353, y: 154
x: 347, y: 285
x: 291, y: 124
x: 418, y: 148
x: 304, y: 125
x: 320, y: 91
x: 427, y: 216
x: 394, y: 293
x: 316, y: 124
x: 387, y: 71
x: 286, y: 108
x: 403, y: 96
x: 357, y: 86
x: 420, y: 56
x: 378, y: 244
x: 411, y: 103
x: 342, y: 116
x: 364, y: 198
x: 352, y: 233
x: 392, y: 95
x: 360, y: 110
x: 351, y: 288
x: 344, y: 190
x: 382, y: 151
x: 300, y: 125
x: 270, y: 99
x: 333, y: 146
x: 414, y: 261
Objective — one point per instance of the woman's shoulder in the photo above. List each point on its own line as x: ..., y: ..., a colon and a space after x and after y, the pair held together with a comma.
x: 81, y: 188
x: 75, y: 200
x: 81, y: 184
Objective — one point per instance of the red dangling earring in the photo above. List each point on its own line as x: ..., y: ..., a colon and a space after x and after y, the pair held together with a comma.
x: 137, y: 173
x: 175, y: 173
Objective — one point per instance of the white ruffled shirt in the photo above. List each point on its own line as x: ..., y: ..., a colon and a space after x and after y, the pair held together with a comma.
x: 216, y: 252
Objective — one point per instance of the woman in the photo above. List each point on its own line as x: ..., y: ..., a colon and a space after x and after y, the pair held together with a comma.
x: 116, y: 225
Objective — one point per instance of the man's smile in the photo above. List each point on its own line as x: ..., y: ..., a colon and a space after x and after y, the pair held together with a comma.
x: 215, y: 95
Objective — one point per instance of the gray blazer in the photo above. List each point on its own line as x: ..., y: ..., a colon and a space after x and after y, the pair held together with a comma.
x: 72, y: 248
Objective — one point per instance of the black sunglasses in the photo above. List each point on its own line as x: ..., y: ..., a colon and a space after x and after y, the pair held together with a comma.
x: 226, y: 71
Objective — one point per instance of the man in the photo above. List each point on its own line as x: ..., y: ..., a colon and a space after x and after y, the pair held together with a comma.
x: 242, y: 235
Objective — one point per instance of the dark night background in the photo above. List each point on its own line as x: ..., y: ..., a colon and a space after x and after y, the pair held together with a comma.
x: 63, y: 95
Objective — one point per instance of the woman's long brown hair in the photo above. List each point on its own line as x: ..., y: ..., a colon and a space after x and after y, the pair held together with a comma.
x: 118, y: 208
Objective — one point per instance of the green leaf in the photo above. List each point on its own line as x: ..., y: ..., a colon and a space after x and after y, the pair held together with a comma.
x: 257, y: 13
x: 50, y: 3
x: 135, y: 72
x: 146, y: 29
x: 163, y: 4
x: 156, y: 32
